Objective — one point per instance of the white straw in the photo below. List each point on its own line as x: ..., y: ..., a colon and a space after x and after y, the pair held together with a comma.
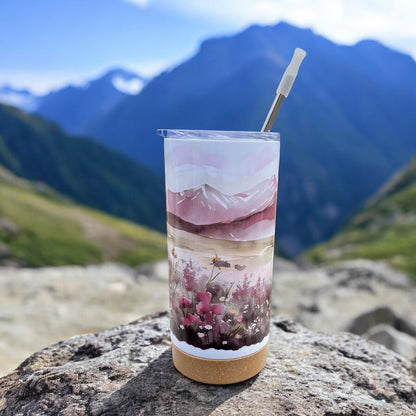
x: 284, y: 87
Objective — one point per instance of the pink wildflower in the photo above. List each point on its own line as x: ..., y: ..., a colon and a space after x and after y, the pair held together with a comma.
x: 184, y: 302
x: 189, y: 277
x: 204, y: 306
x: 191, y: 318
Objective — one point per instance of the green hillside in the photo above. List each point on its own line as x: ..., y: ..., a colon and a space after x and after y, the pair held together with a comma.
x: 384, y: 230
x: 86, y: 171
x: 39, y: 227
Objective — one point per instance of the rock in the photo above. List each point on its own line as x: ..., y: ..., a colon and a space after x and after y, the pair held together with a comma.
x: 363, y: 273
x: 8, y: 226
x: 365, y: 321
x: 329, y: 298
x: 393, y: 339
x: 158, y: 270
x: 4, y: 251
x: 128, y: 370
x: 404, y: 325
x: 51, y: 303
x: 284, y: 265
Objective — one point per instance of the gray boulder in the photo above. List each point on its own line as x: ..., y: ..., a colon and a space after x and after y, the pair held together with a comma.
x: 367, y: 320
x: 385, y: 327
x: 128, y: 370
x: 390, y: 337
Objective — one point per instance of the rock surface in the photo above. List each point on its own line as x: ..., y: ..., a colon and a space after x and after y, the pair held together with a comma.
x: 41, y: 306
x: 393, y: 339
x: 330, y: 298
x: 128, y: 370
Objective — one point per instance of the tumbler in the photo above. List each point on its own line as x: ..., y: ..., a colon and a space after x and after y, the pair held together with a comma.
x: 221, y: 195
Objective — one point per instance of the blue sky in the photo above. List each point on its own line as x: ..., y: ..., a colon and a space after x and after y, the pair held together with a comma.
x: 47, y: 43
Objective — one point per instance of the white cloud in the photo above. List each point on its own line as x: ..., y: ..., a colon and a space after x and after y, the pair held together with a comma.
x: 344, y: 21
x: 42, y: 82
x: 140, y: 3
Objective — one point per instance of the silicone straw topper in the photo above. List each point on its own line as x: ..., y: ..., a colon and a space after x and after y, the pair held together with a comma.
x: 284, y: 87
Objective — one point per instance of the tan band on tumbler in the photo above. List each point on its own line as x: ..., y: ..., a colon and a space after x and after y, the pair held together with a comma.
x: 219, y: 371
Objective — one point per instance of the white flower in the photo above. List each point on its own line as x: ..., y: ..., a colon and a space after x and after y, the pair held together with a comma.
x: 208, y: 327
x: 181, y: 327
x: 222, y: 299
x: 224, y: 342
x: 201, y: 335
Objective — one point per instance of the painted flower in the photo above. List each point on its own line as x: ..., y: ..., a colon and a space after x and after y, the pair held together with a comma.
x: 204, y: 304
x: 189, y: 275
x: 184, y: 302
x: 191, y: 318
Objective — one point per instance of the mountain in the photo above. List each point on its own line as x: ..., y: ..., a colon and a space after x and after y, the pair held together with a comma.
x: 75, y: 107
x: 209, y: 212
x: 80, y: 168
x: 385, y: 229
x: 23, y: 99
x: 39, y: 227
x: 346, y: 127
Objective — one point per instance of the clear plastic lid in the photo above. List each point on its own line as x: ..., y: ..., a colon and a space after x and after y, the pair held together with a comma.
x: 219, y: 135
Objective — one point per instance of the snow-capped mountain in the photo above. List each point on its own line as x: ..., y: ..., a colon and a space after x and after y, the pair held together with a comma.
x: 210, y: 213
x: 76, y: 107
x: 206, y: 205
x: 22, y: 99
x: 128, y: 83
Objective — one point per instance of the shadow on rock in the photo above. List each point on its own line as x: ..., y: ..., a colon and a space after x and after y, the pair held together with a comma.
x: 161, y: 390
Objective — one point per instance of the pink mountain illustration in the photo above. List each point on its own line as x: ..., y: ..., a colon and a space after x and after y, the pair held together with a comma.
x: 211, y: 213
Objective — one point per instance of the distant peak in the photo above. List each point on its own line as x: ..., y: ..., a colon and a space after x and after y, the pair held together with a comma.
x: 128, y: 85
x: 369, y: 43
x: 121, y: 72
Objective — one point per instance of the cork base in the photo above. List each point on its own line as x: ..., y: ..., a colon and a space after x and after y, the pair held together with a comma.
x: 219, y: 371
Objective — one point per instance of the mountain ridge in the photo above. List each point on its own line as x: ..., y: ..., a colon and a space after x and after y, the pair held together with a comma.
x: 74, y: 108
x: 82, y: 169
x: 385, y: 229
x: 40, y: 227
x: 336, y: 127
